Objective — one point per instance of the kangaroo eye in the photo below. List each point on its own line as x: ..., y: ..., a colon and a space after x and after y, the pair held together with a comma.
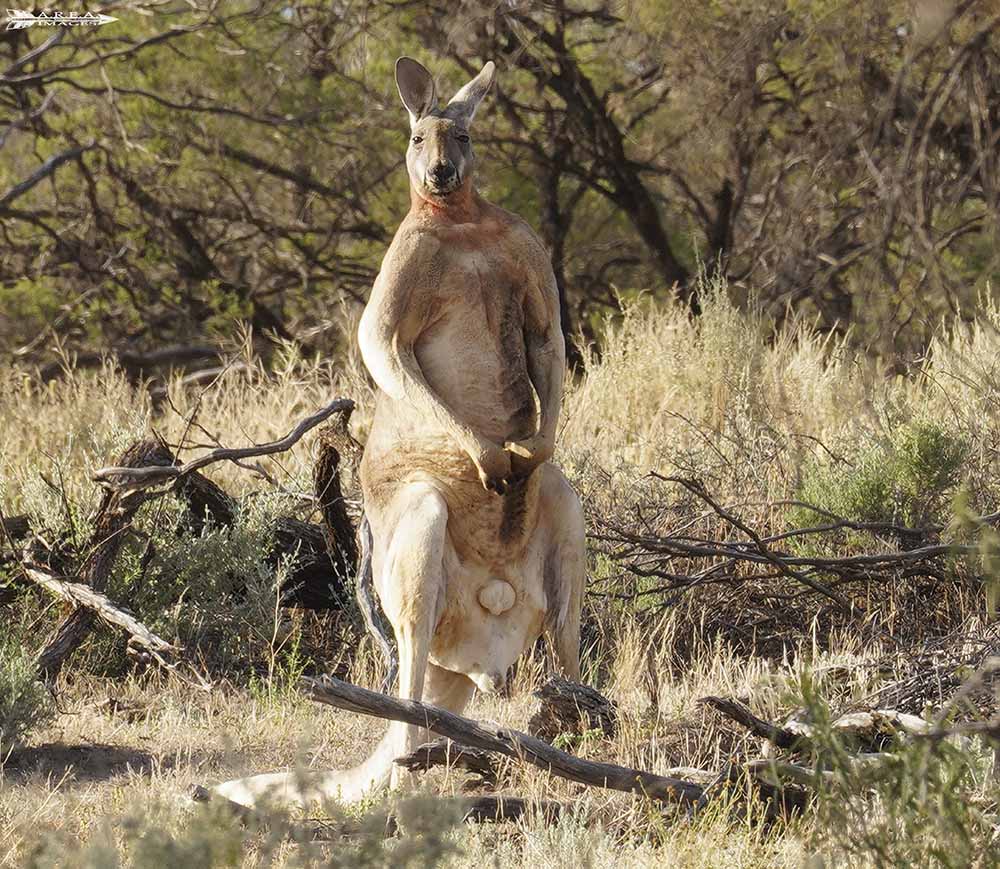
x: 417, y: 140
x: 462, y: 138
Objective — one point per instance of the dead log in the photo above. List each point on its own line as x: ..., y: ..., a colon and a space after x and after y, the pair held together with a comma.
x: 444, y: 752
x: 571, y: 707
x: 114, y: 517
x: 508, y: 742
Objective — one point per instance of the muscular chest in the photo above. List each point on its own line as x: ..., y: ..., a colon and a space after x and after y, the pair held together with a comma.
x: 482, y: 291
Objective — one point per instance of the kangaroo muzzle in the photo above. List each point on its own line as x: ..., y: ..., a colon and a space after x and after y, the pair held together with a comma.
x: 443, y: 177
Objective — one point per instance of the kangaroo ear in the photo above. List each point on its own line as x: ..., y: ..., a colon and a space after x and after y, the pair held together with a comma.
x: 416, y: 88
x: 462, y: 107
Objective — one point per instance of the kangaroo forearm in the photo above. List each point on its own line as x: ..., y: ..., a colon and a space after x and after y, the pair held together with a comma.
x: 400, y: 381
x: 546, y: 364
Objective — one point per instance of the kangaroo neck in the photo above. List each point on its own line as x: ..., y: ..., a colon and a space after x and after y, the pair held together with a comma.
x: 465, y: 205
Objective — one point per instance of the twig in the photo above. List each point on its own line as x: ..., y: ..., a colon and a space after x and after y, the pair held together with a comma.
x: 121, y: 477
x: 696, y: 488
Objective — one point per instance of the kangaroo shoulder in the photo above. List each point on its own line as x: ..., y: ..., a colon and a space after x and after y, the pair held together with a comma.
x: 412, y: 242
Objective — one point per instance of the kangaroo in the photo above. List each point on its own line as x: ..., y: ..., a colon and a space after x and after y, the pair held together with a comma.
x: 478, y: 541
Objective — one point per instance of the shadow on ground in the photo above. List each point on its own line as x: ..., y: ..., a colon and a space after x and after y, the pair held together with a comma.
x: 83, y: 763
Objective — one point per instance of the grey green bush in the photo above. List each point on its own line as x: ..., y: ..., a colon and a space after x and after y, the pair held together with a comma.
x: 24, y: 702
x: 906, y: 478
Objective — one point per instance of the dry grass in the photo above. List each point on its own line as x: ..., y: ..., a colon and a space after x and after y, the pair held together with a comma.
x: 118, y: 746
x: 749, y: 415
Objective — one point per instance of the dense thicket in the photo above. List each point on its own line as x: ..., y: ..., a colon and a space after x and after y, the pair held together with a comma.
x: 194, y: 165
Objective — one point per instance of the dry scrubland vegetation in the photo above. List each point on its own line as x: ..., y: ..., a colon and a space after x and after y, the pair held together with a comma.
x: 198, y: 169
x: 100, y: 775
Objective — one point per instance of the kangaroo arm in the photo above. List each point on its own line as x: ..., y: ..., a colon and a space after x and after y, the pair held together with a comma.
x: 395, y: 369
x: 546, y: 353
x: 386, y: 336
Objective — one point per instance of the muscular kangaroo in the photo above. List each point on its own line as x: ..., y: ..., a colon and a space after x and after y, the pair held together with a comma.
x: 478, y: 541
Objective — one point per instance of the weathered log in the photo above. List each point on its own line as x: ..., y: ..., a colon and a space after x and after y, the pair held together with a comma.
x: 444, y: 752
x: 114, y: 517
x: 505, y: 741
x: 570, y: 707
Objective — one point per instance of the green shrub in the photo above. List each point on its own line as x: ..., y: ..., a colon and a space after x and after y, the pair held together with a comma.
x: 213, y: 592
x: 24, y: 702
x: 905, y: 480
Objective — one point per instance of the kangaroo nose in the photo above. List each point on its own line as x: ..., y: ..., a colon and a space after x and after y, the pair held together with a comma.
x: 443, y: 172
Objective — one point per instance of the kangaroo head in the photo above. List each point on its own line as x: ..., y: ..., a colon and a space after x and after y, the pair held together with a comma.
x: 439, y: 158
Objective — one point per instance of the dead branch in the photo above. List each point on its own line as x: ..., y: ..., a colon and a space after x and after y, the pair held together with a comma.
x: 98, y: 603
x: 741, y: 714
x: 783, y: 564
x: 114, y: 517
x: 508, y: 742
x: 120, y: 477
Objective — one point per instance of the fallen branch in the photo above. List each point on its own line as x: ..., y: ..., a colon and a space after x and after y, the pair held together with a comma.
x: 114, y: 517
x: 780, y: 736
x: 101, y: 605
x: 505, y: 741
x: 139, y: 477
